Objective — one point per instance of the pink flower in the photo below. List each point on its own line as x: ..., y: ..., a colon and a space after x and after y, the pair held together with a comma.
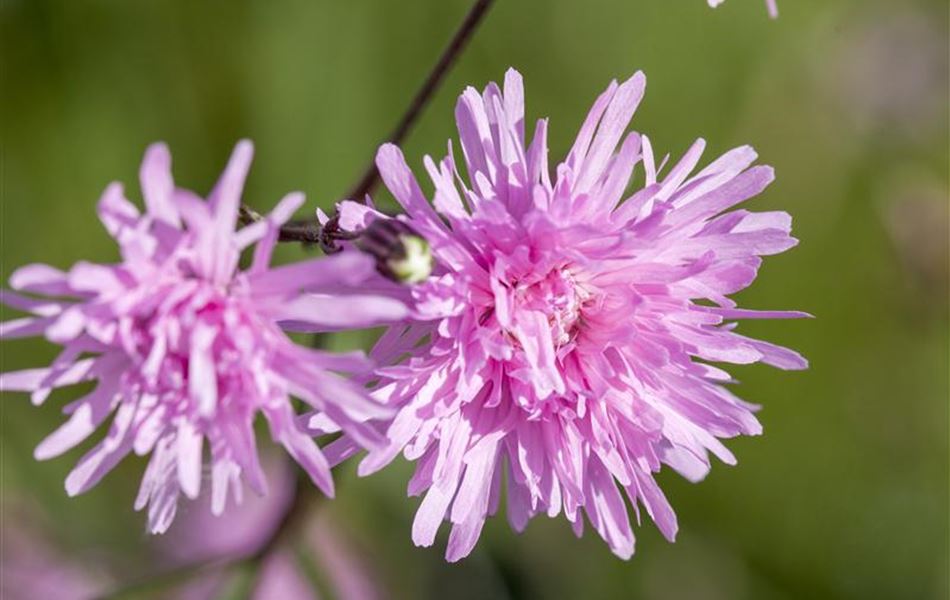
x: 559, y: 349
x: 770, y: 4
x: 186, y: 348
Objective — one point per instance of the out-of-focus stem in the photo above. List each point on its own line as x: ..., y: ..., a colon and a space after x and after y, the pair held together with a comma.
x: 290, y: 524
x: 175, y: 575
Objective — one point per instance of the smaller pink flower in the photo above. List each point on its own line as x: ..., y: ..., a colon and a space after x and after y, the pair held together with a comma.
x: 187, y: 349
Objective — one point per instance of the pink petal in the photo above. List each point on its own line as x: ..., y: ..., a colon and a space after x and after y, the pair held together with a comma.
x: 226, y: 195
x: 158, y: 186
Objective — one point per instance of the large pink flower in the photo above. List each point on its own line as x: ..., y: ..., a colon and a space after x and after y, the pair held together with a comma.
x: 561, y: 343
x: 186, y: 348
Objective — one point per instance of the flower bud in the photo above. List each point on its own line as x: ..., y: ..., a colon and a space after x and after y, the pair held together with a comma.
x: 401, y: 254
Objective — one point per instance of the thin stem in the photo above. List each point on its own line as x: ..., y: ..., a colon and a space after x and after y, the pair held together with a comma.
x: 292, y: 519
x: 290, y: 525
x: 291, y: 232
x: 308, y: 230
x: 173, y: 575
x: 451, y: 54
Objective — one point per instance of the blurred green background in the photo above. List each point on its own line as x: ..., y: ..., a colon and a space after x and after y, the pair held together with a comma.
x: 845, y: 496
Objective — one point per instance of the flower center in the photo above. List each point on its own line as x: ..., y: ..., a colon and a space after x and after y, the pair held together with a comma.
x: 561, y: 298
x: 199, y: 344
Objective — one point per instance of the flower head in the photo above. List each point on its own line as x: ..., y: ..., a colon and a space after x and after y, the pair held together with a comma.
x: 186, y: 348
x: 558, y: 351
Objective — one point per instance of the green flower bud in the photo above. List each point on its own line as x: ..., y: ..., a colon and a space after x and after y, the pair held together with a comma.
x: 401, y: 254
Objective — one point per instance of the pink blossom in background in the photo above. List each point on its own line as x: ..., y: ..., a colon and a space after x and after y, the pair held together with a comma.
x: 32, y: 567
x: 186, y: 349
x: 770, y: 5
x: 238, y: 533
x: 559, y: 351
x: 241, y: 532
